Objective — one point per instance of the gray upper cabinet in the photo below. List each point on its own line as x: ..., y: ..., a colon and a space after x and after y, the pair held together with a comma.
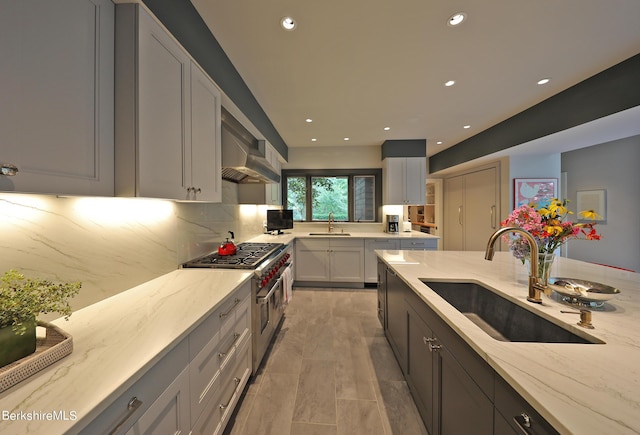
x: 405, y: 180
x: 167, y: 138
x: 56, y: 87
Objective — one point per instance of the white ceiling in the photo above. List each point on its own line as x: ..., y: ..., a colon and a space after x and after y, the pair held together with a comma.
x: 356, y: 66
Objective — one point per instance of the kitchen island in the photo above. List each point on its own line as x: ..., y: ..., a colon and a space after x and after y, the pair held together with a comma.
x: 577, y: 388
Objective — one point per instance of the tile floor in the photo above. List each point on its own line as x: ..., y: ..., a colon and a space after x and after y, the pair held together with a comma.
x: 330, y: 370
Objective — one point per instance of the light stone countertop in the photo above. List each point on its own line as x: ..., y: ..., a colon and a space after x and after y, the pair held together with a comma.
x: 290, y: 235
x: 115, y: 342
x: 579, y: 388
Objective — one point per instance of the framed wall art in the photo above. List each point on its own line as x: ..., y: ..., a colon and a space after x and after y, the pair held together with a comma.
x: 534, y: 190
x: 595, y: 200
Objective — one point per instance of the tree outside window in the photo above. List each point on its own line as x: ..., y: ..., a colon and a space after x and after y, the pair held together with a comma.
x: 313, y: 195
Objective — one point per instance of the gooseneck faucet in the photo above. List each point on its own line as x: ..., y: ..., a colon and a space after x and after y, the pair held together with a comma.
x: 331, y: 220
x: 535, y: 288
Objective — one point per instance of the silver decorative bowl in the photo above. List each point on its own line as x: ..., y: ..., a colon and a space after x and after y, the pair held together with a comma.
x: 582, y: 291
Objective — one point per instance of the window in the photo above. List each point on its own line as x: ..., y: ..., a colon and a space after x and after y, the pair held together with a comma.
x: 351, y: 195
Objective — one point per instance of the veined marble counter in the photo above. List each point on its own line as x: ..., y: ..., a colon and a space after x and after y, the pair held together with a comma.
x: 115, y: 342
x: 290, y: 235
x: 579, y: 388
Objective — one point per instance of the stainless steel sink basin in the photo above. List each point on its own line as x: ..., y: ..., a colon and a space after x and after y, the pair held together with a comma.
x: 329, y: 234
x: 501, y: 318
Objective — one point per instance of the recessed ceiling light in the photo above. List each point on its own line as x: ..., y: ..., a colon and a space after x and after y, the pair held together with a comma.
x: 314, y: 139
x: 309, y: 120
x: 346, y: 138
x: 544, y: 81
x: 387, y: 128
x: 456, y: 19
x: 439, y: 142
x: 467, y: 126
x: 288, y: 23
x: 450, y: 83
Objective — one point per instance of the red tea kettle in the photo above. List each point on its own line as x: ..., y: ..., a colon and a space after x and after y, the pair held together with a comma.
x: 228, y: 247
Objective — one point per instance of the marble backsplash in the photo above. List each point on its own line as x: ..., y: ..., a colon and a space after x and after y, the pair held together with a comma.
x: 113, y: 244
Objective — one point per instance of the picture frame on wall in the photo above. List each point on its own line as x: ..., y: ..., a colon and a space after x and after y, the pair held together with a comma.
x: 534, y: 191
x: 595, y: 200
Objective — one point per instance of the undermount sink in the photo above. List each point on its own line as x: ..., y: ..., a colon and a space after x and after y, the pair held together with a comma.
x: 329, y: 234
x: 501, y: 318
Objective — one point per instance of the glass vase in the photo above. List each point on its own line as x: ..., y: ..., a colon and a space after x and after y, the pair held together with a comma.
x: 545, y: 262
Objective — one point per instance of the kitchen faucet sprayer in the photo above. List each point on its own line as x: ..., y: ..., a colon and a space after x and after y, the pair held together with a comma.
x: 535, y: 288
x: 331, y: 220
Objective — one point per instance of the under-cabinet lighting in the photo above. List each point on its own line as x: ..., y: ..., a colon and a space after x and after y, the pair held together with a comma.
x: 118, y: 211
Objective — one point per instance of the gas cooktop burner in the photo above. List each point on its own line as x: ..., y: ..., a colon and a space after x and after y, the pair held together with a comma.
x: 247, y: 256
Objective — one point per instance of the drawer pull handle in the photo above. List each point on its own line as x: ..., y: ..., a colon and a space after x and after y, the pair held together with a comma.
x: 236, y: 301
x: 434, y: 347
x: 524, y: 422
x: 133, y: 405
x: 225, y: 353
x: 237, y: 382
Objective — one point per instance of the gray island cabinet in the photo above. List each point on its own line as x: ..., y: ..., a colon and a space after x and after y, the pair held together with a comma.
x: 454, y: 389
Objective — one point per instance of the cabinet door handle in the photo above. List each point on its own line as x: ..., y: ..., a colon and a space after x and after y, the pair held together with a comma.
x: 524, y: 422
x: 236, y: 301
x: 237, y: 382
x: 233, y: 343
x: 434, y: 347
x: 133, y: 405
x: 428, y: 340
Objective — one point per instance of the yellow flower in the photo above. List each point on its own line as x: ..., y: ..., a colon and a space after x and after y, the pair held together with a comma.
x: 544, y: 212
x: 554, y: 230
x: 557, y: 208
x: 590, y: 214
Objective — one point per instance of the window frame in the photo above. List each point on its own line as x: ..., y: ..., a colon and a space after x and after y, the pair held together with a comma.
x: 350, y: 174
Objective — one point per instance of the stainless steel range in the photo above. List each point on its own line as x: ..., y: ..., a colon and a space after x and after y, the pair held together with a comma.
x: 268, y: 261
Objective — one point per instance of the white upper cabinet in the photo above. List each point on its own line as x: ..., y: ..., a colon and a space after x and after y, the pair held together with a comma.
x: 205, y: 159
x: 56, y: 88
x: 167, y: 115
x: 405, y: 180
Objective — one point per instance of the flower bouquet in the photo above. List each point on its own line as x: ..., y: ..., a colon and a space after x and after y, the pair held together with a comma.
x: 547, y: 224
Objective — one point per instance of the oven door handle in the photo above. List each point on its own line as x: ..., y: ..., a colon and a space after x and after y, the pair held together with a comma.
x: 263, y: 300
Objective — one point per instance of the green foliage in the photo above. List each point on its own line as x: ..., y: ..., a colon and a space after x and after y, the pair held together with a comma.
x: 22, y: 299
x: 330, y: 195
x: 297, y: 197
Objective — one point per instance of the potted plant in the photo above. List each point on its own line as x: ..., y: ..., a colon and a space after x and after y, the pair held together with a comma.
x: 21, y: 301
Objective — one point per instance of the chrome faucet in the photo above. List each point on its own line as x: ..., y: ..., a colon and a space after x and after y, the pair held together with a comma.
x: 535, y: 288
x: 331, y: 220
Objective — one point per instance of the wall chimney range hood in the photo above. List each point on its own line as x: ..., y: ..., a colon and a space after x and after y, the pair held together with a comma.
x: 242, y: 160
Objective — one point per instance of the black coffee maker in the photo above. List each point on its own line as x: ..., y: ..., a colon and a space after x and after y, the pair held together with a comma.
x: 393, y: 224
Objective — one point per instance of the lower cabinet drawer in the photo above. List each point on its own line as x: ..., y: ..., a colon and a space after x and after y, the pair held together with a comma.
x: 516, y: 413
x: 170, y: 412
x: 217, y: 411
x: 419, y: 244
x: 208, y: 367
x: 124, y: 411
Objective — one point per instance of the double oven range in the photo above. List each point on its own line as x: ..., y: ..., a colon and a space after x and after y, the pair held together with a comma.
x: 268, y: 262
